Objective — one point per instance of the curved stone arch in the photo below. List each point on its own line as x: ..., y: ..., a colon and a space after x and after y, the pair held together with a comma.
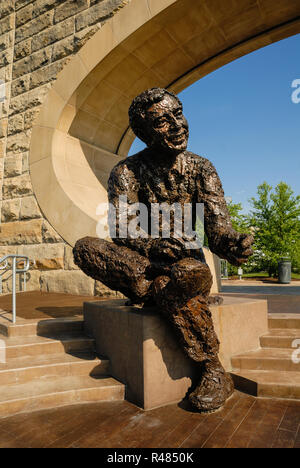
x: 82, y: 129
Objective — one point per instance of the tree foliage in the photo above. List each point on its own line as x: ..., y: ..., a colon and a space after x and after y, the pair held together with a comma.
x: 240, y: 222
x: 275, y: 219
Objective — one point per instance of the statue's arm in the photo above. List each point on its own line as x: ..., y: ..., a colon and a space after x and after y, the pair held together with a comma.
x: 223, y: 240
x: 123, y: 185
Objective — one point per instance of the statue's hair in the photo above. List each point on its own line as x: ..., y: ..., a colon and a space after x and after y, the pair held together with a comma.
x: 139, y: 106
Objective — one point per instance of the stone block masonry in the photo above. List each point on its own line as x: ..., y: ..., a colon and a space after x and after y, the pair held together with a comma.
x: 37, y: 38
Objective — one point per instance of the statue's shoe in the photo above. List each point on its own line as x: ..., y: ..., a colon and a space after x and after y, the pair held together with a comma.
x: 215, y: 388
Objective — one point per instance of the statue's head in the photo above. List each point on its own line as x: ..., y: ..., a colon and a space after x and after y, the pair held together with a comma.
x: 156, y: 118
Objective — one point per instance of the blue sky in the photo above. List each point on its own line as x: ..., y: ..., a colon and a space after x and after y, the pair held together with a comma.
x: 243, y: 119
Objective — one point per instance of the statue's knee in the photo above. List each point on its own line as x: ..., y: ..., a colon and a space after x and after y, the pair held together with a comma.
x: 80, y: 248
x: 192, y: 276
x: 88, y: 248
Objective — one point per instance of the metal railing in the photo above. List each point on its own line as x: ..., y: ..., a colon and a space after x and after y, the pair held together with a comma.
x: 224, y: 269
x: 14, y: 266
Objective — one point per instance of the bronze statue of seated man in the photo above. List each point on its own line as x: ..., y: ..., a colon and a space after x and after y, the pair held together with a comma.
x: 169, y: 272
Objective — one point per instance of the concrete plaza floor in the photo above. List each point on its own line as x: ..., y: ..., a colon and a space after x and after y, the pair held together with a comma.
x: 261, y: 287
x: 282, y: 299
x: 245, y: 421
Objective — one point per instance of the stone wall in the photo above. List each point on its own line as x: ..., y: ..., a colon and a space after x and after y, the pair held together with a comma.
x: 37, y: 38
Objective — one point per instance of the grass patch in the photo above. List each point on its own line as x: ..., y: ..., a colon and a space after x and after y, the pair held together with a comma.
x: 261, y: 274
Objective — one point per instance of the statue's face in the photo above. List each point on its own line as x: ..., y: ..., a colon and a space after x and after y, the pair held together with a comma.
x: 166, y: 125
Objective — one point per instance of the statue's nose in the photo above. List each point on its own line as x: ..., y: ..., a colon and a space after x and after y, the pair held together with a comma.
x: 175, y: 122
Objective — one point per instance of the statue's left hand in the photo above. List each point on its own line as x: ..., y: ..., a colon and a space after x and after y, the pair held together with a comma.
x: 239, y: 249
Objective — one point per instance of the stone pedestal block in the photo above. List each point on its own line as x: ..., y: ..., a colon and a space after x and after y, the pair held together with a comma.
x: 144, y: 353
x: 215, y: 267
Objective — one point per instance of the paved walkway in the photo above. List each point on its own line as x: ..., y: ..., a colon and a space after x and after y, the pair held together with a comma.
x: 38, y: 305
x: 259, y: 287
x: 245, y: 422
x: 282, y: 299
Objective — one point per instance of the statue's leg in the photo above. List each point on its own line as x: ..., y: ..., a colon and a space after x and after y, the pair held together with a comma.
x: 119, y: 268
x: 182, y: 298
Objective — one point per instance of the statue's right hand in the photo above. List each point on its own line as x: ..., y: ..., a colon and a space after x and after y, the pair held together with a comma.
x: 167, y: 248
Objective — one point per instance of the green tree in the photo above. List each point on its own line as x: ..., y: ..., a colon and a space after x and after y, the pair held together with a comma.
x: 240, y: 222
x: 295, y: 257
x: 275, y: 220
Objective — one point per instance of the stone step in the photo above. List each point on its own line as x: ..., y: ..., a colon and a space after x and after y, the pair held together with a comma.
x: 266, y: 359
x: 34, y: 345
x: 41, y: 327
x: 284, y: 321
x: 268, y: 384
x: 281, y: 338
x: 25, y: 369
x: 56, y: 392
